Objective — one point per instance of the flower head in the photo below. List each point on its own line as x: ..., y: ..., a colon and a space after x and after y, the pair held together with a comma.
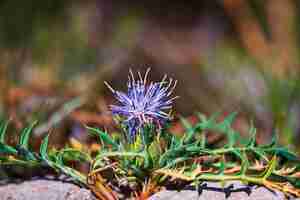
x: 144, y: 103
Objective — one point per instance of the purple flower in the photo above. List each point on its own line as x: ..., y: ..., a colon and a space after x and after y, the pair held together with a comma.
x: 144, y: 103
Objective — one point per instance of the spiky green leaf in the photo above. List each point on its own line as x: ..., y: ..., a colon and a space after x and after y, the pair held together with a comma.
x: 5, y: 149
x: 3, y: 129
x: 271, y: 167
x: 69, y: 154
x: 24, y: 138
x: 285, y: 153
x: 226, y: 124
x: 104, y: 137
x: 44, y: 147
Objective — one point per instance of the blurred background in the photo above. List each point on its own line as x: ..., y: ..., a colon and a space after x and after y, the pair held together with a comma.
x: 227, y: 55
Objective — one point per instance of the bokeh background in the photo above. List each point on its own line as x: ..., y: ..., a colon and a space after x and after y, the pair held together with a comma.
x: 227, y: 55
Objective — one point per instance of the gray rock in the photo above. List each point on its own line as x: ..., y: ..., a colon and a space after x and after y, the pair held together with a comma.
x: 44, y: 189
x: 57, y: 190
x: 214, y: 191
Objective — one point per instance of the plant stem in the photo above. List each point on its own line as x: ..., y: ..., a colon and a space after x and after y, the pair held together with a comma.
x: 102, y: 155
x: 222, y: 177
x: 120, y: 154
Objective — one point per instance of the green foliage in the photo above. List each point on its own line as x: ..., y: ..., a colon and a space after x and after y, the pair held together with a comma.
x: 166, y: 155
x: 162, y: 157
x: 105, y: 139
x: 22, y: 155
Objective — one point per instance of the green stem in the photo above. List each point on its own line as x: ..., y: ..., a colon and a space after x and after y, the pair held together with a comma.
x: 222, y: 177
x: 174, y: 152
x: 120, y: 154
x: 68, y: 171
x: 102, y: 155
x: 21, y: 163
x: 241, y: 149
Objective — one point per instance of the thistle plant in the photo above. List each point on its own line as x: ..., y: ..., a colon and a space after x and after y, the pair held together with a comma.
x: 154, y: 158
x: 144, y: 103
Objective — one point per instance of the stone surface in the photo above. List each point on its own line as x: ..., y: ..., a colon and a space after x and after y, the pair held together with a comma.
x: 57, y: 190
x: 44, y: 189
x: 214, y: 191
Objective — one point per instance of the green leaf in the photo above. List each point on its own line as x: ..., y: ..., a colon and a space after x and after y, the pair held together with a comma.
x: 232, y: 137
x: 273, y: 142
x: 271, y: 167
x: 175, y: 142
x: 238, y: 154
x: 172, y: 163
x: 202, y: 117
x: 7, y: 149
x: 3, y: 129
x: 147, y: 134
x: 294, y: 181
x: 186, y: 124
x: 190, y: 131
x: 148, y: 161
x: 154, y: 151
x: 222, y: 167
x: 244, y: 161
x: 208, y: 124
x: 104, y: 137
x: 70, y: 154
x: 17, y: 162
x: 24, y: 138
x: 244, y: 164
x: 260, y: 153
x: 137, y: 145
x: 170, y: 155
x: 25, y: 153
x: 43, y: 147
x: 226, y: 124
x: 225, y: 127
x: 76, y: 175
x: 252, y: 133
x: 285, y: 153
x: 203, y: 140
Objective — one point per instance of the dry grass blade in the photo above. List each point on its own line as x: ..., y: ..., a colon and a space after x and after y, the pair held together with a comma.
x: 96, y: 184
x: 149, y: 188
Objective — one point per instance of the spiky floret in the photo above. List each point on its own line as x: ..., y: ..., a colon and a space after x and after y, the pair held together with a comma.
x: 144, y: 103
